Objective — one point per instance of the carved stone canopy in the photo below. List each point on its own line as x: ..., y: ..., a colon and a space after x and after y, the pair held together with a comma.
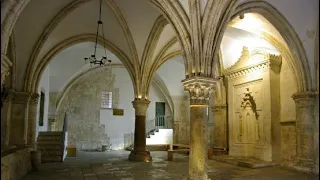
x: 200, y: 89
x: 251, y: 62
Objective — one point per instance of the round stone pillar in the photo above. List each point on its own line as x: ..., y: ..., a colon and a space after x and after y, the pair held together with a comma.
x: 305, y: 103
x: 32, y: 115
x: 200, y: 89
x: 139, y: 152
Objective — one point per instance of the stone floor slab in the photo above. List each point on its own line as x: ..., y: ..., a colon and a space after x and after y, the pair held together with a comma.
x: 114, y: 165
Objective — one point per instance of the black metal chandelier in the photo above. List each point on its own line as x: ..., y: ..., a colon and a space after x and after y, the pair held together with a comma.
x: 93, y: 59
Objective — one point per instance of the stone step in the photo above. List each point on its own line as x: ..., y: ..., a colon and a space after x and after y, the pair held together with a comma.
x: 243, y: 161
x: 51, y: 133
x: 51, y: 153
x: 46, y: 159
x: 50, y: 147
x: 50, y: 138
x: 45, y: 142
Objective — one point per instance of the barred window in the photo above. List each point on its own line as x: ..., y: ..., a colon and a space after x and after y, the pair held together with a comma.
x: 106, y: 100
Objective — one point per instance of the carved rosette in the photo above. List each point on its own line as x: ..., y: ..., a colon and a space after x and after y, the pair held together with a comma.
x: 200, y: 89
x: 34, y: 99
x: 304, y: 99
x: 140, y: 106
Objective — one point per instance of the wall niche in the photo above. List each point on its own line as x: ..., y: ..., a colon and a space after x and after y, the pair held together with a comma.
x: 254, y: 105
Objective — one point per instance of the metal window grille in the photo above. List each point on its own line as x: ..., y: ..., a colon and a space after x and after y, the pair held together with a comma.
x: 106, y: 99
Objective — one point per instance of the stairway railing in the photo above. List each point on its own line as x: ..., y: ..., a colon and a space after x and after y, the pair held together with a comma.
x: 65, y: 135
x: 160, y: 122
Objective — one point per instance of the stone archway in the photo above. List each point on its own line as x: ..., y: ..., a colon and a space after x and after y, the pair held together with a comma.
x: 299, y: 60
x: 173, y: 12
x: 34, y: 78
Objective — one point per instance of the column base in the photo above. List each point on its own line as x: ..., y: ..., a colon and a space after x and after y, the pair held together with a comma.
x: 140, y: 156
x: 304, y: 165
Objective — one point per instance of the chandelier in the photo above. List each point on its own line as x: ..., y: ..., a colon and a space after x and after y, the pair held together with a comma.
x: 93, y: 59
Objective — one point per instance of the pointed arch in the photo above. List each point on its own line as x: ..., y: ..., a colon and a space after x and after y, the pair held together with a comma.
x: 33, y: 83
x: 299, y: 59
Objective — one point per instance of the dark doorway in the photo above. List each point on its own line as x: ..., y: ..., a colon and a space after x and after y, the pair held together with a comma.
x: 160, y: 114
x: 41, y: 114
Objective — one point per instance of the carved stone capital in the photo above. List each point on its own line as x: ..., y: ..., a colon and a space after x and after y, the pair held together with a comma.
x: 200, y: 89
x: 140, y: 106
x: 34, y: 98
x: 304, y: 99
x: 20, y: 97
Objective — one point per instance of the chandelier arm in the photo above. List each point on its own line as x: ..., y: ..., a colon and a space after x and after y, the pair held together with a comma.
x: 104, y: 42
x: 95, y: 46
x: 100, y: 10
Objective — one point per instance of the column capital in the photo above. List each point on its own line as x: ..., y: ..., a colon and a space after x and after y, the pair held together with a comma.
x: 200, y: 89
x: 20, y: 97
x: 34, y: 98
x: 140, y: 106
x: 304, y: 99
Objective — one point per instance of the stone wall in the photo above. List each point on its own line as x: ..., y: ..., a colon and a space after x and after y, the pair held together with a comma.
x: 82, y: 105
x: 287, y: 116
x: 16, y: 164
x: 89, y: 126
x: 181, y: 124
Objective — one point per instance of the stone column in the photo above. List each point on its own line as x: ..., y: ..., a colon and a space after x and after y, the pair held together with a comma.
x: 18, y: 124
x: 305, y: 103
x: 32, y: 115
x: 200, y: 89
x: 139, y: 153
x: 5, y: 119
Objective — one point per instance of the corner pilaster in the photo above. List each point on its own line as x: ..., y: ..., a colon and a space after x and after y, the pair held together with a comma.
x: 305, y: 102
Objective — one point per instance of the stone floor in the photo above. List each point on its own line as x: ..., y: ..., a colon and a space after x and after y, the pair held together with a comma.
x: 114, y: 165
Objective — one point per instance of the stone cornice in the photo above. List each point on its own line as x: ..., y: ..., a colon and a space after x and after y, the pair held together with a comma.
x: 200, y: 89
x: 288, y: 123
x: 219, y: 107
x: 241, y: 67
x: 20, y: 98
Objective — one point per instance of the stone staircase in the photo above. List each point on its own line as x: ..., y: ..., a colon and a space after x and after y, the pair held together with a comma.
x: 161, y: 136
x: 51, y: 145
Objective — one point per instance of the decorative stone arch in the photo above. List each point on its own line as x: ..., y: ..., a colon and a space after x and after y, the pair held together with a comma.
x: 34, y: 79
x: 299, y: 60
x: 75, y: 79
x: 155, y: 66
x: 173, y: 12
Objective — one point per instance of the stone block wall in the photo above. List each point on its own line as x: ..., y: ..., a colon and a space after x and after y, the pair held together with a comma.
x: 16, y: 165
x: 288, y: 143
x: 82, y: 105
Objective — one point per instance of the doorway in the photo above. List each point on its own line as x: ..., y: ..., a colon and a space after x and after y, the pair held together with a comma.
x: 160, y: 114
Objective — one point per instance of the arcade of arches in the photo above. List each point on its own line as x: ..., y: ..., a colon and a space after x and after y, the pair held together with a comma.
x: 229, y: 81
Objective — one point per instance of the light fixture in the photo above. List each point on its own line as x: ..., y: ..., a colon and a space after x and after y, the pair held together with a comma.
x: 93, y: 59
